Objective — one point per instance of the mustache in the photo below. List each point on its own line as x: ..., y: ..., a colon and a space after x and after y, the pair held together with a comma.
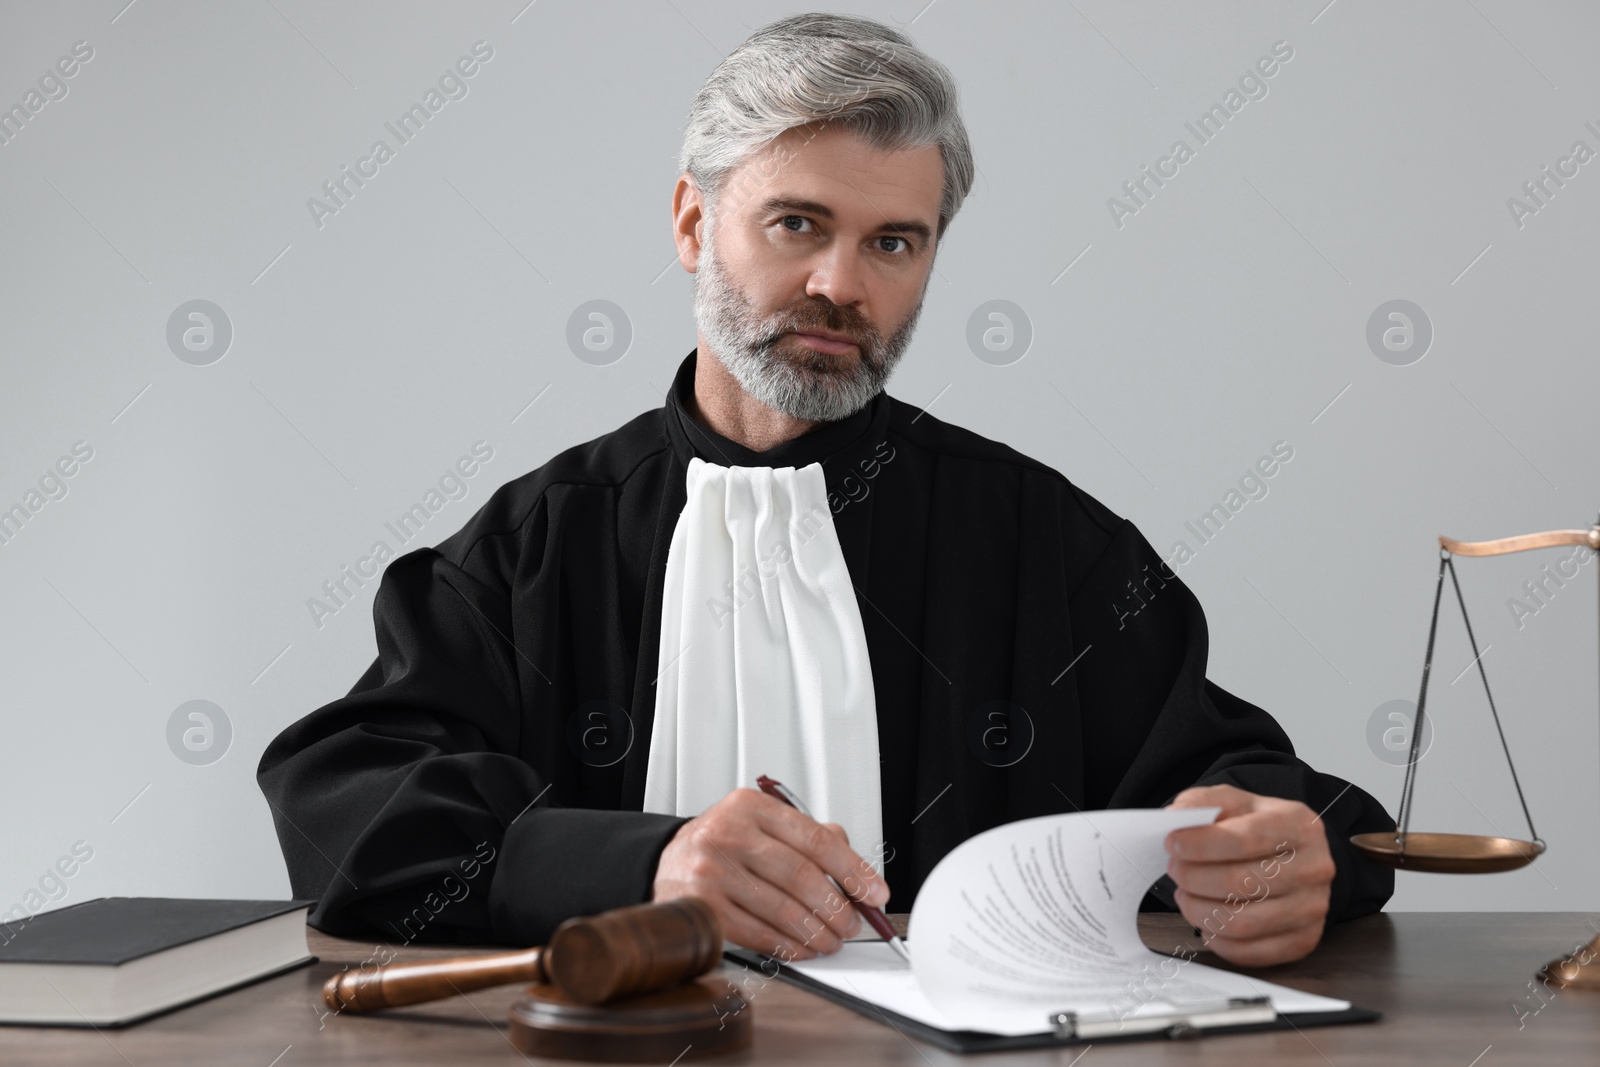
x: 832, y: 320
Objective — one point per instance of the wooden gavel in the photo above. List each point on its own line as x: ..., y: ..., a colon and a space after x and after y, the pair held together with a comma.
x: 592, y: 959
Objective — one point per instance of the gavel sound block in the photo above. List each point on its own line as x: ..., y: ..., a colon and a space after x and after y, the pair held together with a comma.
x: 623, y: 985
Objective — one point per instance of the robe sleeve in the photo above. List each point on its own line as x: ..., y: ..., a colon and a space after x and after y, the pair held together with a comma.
x: 406, y: 808
x: 1167, y: 727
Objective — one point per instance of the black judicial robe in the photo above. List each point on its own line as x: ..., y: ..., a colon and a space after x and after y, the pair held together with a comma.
x: 1028, y: 658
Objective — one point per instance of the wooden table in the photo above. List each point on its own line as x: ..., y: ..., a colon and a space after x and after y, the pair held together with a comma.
x: 1455, y: 988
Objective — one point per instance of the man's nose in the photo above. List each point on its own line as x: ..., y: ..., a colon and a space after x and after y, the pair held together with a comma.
x: 837, y: 275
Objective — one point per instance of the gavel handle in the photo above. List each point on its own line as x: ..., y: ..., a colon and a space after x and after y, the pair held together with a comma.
x: 394, y: 984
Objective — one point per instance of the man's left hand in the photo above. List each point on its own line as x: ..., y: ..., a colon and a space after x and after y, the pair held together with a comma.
x: 1256, y: 881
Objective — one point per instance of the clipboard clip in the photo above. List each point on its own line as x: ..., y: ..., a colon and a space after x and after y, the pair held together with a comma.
x: 1188, y: 1023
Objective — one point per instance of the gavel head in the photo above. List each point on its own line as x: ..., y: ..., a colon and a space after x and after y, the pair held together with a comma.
x: 636, y: 949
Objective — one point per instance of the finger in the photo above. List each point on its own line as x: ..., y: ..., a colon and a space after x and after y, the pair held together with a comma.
x: 857, y: 887
x: 836, y: 858
x: 746, y: 850
x: 725, y: 872
x: 1251, y: 880
x: 1217, y: 881
x: 742, y: 927
x: 812, y: 897
x: 779, y: 885
x: 1231, y: 799
x: 1256, y: 836
x: 1253, y: 921
x: 1245, y: 920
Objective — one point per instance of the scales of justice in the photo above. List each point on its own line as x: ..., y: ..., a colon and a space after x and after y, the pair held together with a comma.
x: 1405, y: 850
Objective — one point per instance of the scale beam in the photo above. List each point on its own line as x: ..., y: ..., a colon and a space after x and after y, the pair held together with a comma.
x: 1522, y: 542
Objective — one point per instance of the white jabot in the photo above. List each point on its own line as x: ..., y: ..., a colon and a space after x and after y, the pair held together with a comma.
x: 763, y: 659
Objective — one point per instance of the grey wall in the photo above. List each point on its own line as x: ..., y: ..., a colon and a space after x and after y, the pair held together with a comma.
x: 1173, y: 344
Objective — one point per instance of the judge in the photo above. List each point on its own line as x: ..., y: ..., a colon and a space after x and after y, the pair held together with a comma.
x: 783, y: 570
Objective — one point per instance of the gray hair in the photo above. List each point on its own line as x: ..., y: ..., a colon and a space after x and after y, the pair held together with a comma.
x: 870, y: 79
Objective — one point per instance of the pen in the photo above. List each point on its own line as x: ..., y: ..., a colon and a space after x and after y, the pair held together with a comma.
x: 875, y: 918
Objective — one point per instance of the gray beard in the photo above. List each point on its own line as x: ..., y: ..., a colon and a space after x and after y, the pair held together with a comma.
x: 794, y: 380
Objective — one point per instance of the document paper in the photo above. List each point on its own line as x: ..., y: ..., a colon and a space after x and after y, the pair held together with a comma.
x: 1041, y: 916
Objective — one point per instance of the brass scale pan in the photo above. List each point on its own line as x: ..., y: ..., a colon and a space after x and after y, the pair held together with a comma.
x: 1463, y: 853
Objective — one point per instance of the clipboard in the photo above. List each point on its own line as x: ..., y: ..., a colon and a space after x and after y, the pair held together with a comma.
x: 1239, y: 1017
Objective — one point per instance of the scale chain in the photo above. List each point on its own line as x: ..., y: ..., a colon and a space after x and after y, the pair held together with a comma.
x: 1422, y: 700
x: 1407, y: 794
x: 1478, y: 659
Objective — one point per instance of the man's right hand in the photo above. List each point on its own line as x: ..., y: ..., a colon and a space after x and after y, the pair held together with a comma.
x: 763, y: 867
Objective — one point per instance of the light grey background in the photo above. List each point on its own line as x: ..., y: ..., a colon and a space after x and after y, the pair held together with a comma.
x: 431, y: 312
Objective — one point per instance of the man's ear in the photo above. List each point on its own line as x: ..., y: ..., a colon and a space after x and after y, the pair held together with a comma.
x: 688, y: 215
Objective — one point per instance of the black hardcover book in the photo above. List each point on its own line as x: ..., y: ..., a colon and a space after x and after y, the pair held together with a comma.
x: 116, y: 960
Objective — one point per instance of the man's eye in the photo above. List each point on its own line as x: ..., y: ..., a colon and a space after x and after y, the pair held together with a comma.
x: 791, y: 224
